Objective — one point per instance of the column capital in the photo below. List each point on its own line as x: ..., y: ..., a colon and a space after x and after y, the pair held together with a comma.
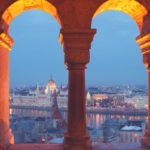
x: 76, y: 44
x: 6, y: 41
x: 144, y: 44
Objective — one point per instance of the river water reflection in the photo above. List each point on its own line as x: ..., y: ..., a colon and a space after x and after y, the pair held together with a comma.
x: 35, y: 126
x: 109, y: 128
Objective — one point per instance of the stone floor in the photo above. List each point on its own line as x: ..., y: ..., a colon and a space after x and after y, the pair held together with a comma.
x: 125, y: 146
x: 36, y: 147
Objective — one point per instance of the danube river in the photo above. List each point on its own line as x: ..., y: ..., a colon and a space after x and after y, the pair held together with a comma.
x: 37, y: 126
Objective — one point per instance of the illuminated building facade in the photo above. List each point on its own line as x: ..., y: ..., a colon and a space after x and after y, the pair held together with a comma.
x: 51, y: 87
x: 39, y: 99
x: 76, y: 35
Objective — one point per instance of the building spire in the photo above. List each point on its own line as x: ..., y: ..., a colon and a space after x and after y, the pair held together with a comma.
x: 55, y: 110
x: 37, y: 88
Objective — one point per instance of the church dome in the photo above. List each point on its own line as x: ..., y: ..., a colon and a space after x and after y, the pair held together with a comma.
x: 50, y: 87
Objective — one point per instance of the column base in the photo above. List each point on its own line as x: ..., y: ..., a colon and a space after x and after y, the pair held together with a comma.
x: 6, y: 139
x: 77, y: 143
x: 146, y: 139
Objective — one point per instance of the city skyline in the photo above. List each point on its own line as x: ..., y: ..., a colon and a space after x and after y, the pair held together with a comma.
x: 109, y: 65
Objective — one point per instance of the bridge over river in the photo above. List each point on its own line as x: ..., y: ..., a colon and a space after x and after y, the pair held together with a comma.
x: 135, y: 112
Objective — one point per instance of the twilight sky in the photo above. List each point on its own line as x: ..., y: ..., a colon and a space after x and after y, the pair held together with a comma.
x: 37, y: 53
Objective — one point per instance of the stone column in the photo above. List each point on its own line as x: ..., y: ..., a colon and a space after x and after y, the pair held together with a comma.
x: 148, y: 71
x: 6, y: 137
x: 144, y: 42
x: 76, y: 48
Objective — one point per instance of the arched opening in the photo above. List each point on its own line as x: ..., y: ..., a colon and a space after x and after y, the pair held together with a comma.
x: 33, y: 36
x: 36, y: 57
x: 115, y: 70
x: 35, y: 32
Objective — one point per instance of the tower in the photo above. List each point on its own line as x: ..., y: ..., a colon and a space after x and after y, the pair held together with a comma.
x: 58, y: 121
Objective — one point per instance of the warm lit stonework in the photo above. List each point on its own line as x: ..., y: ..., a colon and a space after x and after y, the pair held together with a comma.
x: 130, y: 7
x: 76, y: 35
x: 144, y: 42
x: 6, y: 41
x: 6, y: 137
x: 23, y: 5
x: 76, y: 136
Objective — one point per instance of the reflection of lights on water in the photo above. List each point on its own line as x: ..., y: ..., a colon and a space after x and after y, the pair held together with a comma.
x: 97, y: 120
x: 43, y: 140
x: 10, y: 98
x: 10, y: 111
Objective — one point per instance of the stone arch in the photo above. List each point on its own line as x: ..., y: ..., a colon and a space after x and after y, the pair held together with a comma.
x: 20, y: 6
x: 131, y: 7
